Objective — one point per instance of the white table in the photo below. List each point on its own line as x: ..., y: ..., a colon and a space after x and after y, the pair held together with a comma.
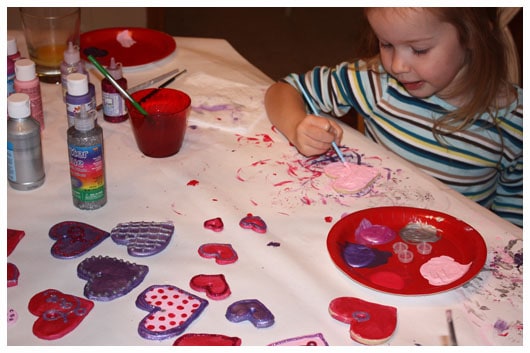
x: 241, y: 165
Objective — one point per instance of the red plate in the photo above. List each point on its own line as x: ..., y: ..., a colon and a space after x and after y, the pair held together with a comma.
x: 150, y: 46
x: 458, y: 240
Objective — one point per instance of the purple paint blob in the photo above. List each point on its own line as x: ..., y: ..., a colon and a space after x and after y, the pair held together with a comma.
x: 358, y: 255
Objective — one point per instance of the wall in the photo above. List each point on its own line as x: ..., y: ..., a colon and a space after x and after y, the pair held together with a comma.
x: 95, y: 17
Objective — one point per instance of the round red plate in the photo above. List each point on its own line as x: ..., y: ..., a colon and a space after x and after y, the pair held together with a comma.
x: 458, y: 240
x: 150, y: 46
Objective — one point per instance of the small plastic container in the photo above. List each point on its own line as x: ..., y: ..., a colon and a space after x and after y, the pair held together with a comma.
x: 424, y: 248
x: 405, y: 256
x: 399, y: 247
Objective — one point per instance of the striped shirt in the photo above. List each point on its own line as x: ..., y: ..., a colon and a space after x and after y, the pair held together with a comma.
x: 483, y: 162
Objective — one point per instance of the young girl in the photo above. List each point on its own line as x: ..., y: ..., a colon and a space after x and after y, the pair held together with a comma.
x: 436, y: 93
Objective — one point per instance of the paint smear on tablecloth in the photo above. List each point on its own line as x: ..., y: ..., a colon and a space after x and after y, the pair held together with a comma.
x: 500, y: 283
x: 295, y: 179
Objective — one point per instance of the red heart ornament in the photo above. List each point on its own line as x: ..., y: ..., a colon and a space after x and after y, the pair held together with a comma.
x: 215, y: 286
x: 206, y: 339
x: 223, y: 253
x: 13, y: 237
x: 370, y: 323
x: 215, y: 224
x: 12, y: 275
x: 58, y: 313
x: 73, y: 239
x: 253, y: 222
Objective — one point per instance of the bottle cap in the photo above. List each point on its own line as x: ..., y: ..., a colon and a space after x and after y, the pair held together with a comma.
x: 11, y: 45
x: 72, y: 55
x: 114, y: 69
x: 25, y: 70
x: 85, y: 121
x: 18, y: 105
x: 77, y: 84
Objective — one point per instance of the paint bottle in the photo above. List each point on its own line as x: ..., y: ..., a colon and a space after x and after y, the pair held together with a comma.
x: 25, y: 167
x: 87, y: 162
x: 26, y: 81
x: 71, y: 63
x: 12, y: 49
x: 10, y: 77
x: 79, y: 92
x: 12, y: 55
x: 114, y: 107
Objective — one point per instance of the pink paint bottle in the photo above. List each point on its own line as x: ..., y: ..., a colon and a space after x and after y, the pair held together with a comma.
x: 26, y: 81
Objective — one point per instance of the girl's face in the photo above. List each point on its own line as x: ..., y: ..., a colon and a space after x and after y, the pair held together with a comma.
x: 421, y: 52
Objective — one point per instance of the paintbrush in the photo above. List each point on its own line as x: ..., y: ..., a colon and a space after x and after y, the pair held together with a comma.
x: 116, y: 84
x: 166, y: 83
x: 451, y: 325
x: 315, y: 112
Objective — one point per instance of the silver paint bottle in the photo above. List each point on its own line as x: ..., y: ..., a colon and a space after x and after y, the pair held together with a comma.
x: 25, y: 166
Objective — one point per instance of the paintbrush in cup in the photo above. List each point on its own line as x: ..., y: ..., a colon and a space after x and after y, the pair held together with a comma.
x: 116, y: 85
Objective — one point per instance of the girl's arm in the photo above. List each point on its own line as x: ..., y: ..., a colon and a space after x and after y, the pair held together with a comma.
x: 310, y: 134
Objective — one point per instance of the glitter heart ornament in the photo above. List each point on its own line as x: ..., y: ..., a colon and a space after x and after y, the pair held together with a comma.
x: 143, y: 238
x: 109, y: 278
x: 73, y: 239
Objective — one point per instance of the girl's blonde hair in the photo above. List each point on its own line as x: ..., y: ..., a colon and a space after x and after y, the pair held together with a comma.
x: 486, y: 77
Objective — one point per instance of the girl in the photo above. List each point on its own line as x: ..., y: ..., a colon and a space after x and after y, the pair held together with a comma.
x: 436, y: 93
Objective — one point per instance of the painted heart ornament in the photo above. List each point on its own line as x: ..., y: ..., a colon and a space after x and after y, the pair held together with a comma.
x: 73, y: 239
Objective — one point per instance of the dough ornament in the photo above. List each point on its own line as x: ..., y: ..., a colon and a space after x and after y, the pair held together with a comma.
x: 215, y: 286
x: 58, y: 313
x: 143, y: 238
x: 370, y: 323
x: 171, y: 311
x: 309, y: 340
x: 12, y: 275
x: 250, y: 310
x: 253, y: 222
x: 206, y: 339
x: 109, y: 278
x: 223, y: 254
x: 215, y: 224
x: 13, y: 237
x: 73, y: 239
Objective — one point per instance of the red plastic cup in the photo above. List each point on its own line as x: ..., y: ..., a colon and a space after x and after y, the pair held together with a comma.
x: 161, y: 132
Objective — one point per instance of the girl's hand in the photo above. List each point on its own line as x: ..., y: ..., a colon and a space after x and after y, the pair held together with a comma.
x: 314, y: 135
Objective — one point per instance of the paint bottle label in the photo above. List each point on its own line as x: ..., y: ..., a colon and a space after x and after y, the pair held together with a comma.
x: 11, y: 170
x: 87, y: 173
x: 113, y: 104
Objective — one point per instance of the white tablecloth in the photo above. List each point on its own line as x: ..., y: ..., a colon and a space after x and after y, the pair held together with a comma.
x: 233, y: 163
